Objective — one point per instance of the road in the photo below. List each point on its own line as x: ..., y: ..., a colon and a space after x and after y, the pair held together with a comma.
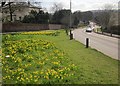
x: 105, y: 44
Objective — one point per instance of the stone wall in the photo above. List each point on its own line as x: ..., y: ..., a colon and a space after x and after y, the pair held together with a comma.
x: 16, y: 27
x: 54, y: 27
x: 0, y: 22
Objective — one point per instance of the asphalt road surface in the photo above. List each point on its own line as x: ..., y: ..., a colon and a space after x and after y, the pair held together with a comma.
x: 105, y: 44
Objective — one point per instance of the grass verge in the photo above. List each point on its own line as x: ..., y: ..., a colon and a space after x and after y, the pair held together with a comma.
x: 93, y: 66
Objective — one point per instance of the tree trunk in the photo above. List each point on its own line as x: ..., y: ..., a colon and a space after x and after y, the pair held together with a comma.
x: 111, y: 32
x: 10, y: 11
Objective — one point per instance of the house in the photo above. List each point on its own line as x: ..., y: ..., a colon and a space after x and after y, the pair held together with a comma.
x: 19, y: 10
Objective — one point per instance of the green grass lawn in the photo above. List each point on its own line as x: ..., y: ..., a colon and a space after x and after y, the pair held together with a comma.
x: 91, y: 66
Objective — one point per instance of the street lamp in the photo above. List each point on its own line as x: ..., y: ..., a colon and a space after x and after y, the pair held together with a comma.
x: 71, y: 35
x: 70, y: 12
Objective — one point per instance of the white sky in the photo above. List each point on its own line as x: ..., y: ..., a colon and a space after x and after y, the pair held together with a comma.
x: 82, y: 5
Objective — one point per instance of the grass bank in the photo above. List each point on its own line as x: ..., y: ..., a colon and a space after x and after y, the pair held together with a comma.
x: 93, y: 67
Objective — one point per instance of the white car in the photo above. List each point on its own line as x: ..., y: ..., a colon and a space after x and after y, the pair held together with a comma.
x: 88, y: 29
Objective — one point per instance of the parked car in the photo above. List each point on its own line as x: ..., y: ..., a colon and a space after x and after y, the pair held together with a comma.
x: 88, y: 29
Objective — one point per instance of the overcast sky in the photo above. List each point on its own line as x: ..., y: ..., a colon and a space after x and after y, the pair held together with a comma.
x: 83, y: 5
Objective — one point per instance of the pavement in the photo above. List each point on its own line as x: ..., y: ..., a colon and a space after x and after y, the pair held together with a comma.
x: 105, y: 44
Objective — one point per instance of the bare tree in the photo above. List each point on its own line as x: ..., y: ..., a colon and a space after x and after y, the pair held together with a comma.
x: 37, y: 4
x: 113, y: 19
x: 56, y: 7
x: 107, y: 18
x: 11, y: 7
x: 103, y: 17
x: 108, y: 7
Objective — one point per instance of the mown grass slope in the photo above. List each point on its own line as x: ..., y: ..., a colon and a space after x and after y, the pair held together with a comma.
x: 92, y: 66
